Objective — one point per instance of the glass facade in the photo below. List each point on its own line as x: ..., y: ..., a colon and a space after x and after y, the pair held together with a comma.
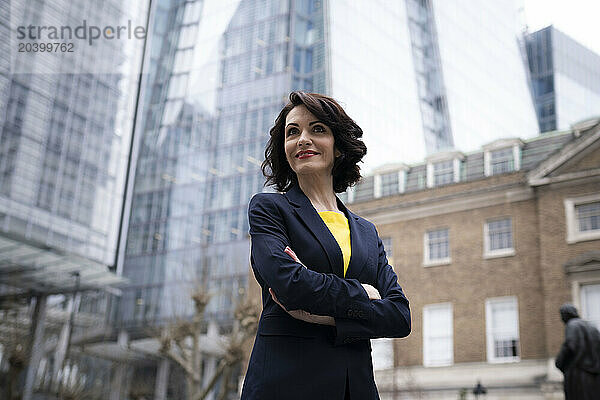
x: 372, y: 74
x: 219, y: 74
x: 423, y: 76
x: 565, y: 92
x: 484, y: 72
x: 65, y: 136
x: 426, y: 59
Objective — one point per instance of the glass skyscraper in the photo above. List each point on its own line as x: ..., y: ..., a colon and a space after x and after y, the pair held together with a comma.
x: 422, y: 76
x: 565, y: 91
x: 418, y: 76
x: 65, y: 133
x: 65, y: 136
x: 484, y: 71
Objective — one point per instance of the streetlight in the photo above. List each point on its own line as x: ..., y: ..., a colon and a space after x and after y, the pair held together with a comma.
x: 479, y: 389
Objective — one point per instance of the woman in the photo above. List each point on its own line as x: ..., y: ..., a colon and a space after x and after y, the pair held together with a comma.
x: 327, y: 287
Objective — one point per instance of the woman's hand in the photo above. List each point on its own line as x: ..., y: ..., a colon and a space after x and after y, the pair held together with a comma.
x: 301, y: 314
x: 291, y: 253
x: 372, y: 292
x: 305, y: 315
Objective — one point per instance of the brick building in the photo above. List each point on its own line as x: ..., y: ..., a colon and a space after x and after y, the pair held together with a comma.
x: 487, y: 246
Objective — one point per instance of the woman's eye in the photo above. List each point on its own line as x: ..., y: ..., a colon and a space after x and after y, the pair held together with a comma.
x: 292, y: 131
x: 319, y: 128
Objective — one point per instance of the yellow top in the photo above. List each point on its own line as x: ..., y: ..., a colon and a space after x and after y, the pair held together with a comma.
x: 339, y: 228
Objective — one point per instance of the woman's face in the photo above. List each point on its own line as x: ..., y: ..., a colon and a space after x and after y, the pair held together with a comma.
x: 304, y: 132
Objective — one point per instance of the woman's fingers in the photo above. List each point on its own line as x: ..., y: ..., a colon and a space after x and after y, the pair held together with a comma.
x: 301, y: 314
x: 275, y: 299
x: 372, y: 292
x: 291, y: 253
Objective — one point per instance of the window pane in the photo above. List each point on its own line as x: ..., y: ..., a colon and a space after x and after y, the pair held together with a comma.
x: 443, y: 172
x: 389, y: 183
x: 500, y: 234
x: 383, y: 353
x: 502, y: 161
x: 387, y: 246
x: 588, y: 216
x: 590, y: 301
x: 503, y: 328
x: 437, y: 334
x: 438, y: 244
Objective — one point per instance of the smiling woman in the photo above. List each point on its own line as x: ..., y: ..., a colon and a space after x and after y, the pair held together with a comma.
x: 320, y: 116
x: 327, y: 287
x: 309, y: 145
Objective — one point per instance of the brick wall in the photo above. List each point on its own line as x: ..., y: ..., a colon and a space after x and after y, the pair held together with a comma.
x: 470, y: 278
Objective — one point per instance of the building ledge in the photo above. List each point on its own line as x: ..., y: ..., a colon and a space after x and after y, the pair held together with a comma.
x: 436, y: 263
x: 499, y: 254
x: 524, y: 373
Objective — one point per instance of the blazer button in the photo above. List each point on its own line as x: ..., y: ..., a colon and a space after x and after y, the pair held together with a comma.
x: 351, y: 313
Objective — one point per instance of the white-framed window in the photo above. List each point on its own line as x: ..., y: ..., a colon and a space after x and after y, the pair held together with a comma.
x: 382, y: 351
x: 390, y: 183
x: 502, y: 161
x: 443, y: 173
x: 390, y: 180
x: 498, y: 238
x: 583, y: 218
x: 588, y: 216
x: 388, y: 247
x: 437, y: 247
x: 502, y: 329
x: 502, y: 156
x: 438, y: 344
x: 444, y: 168
x: 590, y: 303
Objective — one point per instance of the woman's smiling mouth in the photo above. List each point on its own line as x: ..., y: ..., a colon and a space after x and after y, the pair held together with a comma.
x: 306, y: 154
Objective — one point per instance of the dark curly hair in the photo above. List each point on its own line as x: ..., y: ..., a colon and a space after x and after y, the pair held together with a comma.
x: 346, y: 133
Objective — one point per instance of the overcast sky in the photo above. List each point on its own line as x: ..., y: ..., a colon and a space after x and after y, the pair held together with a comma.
x: 577, y: 18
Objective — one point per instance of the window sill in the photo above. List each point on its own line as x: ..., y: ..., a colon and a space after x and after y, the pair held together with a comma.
x: 499, y: 254
x: 504, y: 360
x: 435, y: 263
x: 438, y: 365
x: 582, y: 237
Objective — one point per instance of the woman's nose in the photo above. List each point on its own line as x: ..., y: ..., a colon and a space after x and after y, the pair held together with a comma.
x: 304, y: 138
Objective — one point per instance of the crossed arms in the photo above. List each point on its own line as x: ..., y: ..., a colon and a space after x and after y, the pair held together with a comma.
x: 351, y: 306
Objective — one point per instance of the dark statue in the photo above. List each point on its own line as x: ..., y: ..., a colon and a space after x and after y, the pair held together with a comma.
x: 579, y: 356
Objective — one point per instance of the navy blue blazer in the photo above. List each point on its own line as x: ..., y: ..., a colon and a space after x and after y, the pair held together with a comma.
x: 293, y: 359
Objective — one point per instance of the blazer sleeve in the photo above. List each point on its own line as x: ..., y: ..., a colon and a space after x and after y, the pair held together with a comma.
x: 298, y: 287
x: 391, y: 314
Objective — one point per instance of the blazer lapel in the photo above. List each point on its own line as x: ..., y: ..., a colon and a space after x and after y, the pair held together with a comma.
x: 319, y: 229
